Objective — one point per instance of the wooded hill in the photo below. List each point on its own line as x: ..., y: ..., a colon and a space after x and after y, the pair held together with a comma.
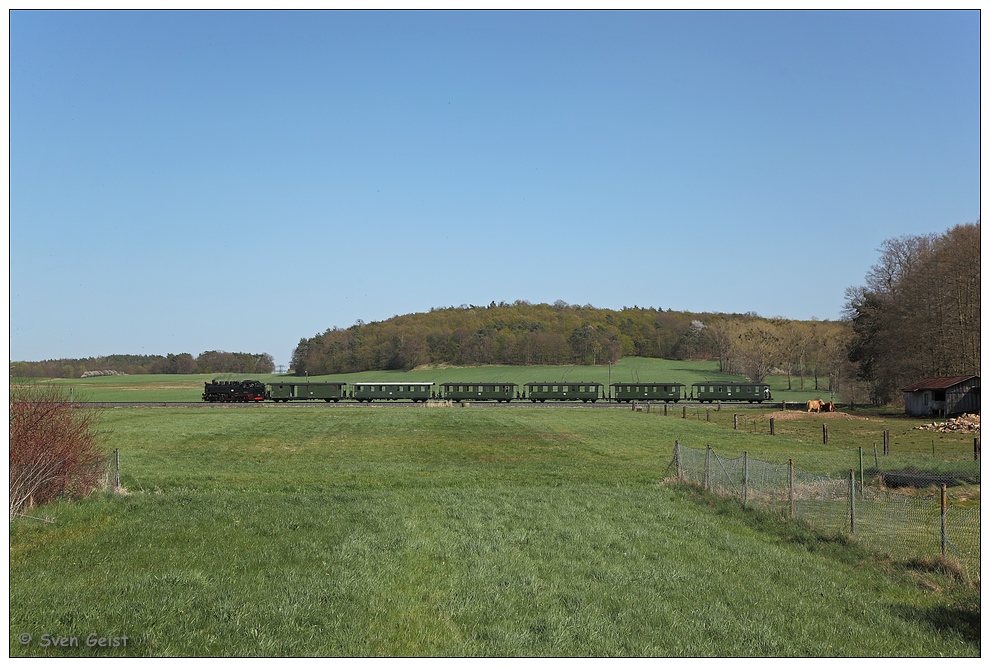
x: 522, y: 333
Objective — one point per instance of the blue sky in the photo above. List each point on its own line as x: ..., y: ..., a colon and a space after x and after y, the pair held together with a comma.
x: 190, y: 181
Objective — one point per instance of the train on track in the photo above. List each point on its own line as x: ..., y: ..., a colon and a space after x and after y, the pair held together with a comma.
x: 247, y: 391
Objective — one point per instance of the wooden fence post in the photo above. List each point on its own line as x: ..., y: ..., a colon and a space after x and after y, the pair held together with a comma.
x: 708, y: 415
x: 862, y: 475
x: 790, y: 485
x: 944, y: 507
x: 886, y: 443
x: 976, y: 449
x: 852, y: 501
x: 771, y: 426
x: 735, y: 422
x: 677, y: 459
x: 745, y: 477
x: 116, y: 474
x: 684, y: 412
x: 708, y: 464
x: 824, y: 434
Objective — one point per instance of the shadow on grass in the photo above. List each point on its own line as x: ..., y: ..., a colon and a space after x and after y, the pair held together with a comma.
x: 957, y: 609
x: 945, y: 620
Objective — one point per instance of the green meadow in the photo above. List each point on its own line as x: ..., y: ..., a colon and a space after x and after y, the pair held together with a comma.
x: 184, y: 388
x: 345, y: 531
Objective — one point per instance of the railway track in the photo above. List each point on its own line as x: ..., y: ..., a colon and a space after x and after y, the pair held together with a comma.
x: 522, y: 403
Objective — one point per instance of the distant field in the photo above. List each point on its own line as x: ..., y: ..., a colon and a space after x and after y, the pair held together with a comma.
x: 456, y: 532
x: 183, y: 388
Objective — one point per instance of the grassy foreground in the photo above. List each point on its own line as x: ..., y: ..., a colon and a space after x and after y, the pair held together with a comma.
x: 355, y: 532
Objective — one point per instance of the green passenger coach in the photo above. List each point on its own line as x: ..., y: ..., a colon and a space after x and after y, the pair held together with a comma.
x: 503, y: 392
x: 754, y: 392
x: 563, y: 391
x: 306, y: 391
x: 647, y: 391
x: 419, y: 392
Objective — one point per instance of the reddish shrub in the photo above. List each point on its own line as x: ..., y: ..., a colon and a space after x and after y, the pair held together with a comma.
x: 54, y: 447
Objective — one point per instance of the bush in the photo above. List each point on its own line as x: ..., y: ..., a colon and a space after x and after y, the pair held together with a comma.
x: 55, y: 448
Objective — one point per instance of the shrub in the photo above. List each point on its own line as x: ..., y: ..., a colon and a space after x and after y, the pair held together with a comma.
x: 55, y: 448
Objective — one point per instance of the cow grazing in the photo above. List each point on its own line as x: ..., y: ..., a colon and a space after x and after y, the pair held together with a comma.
x: 815, y: 405
x: 828, y: 407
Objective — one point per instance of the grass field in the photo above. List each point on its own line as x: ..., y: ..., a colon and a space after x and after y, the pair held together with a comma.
x: 184, y: 388
x: 453, y: 532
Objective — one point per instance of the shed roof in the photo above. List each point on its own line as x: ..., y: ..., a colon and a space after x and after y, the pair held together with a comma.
x: 939, y: 383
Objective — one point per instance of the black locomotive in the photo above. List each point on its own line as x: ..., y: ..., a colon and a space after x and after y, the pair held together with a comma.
x: 234, y: 391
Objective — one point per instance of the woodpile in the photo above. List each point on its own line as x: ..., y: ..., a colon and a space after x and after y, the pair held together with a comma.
x: 962, y: 424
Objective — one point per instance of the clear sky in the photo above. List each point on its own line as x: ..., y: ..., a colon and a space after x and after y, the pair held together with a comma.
x: 191, y: 181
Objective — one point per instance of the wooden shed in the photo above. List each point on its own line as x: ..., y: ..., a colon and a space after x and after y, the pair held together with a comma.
x: 943, y: 396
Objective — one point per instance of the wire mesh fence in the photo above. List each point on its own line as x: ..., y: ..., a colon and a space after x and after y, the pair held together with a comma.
x: 909, y: 521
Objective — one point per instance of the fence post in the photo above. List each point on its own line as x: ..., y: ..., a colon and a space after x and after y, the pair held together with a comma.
x: 677, y: 459
x: 116, y: 474
x: 876, y: 460
x: 852, y: 501
x: 735, y: 422
x: 824, y: 434
x: 790, y: 485
x: 944, y: 507
x: 886, y: 443
x: 684, y: 413
x: 708, y: 415
x: 976, y: 449
x: 745, y: 477
x: 771, y: 426
x: 862, y: 475
x: 708, y: 461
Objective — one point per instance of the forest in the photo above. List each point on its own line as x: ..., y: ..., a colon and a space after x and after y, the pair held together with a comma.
x: 522, y: 333
x: 214, y: 361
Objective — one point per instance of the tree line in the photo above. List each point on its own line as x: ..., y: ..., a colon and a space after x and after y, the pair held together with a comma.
x: 214, y: 361
x: 918, y: 315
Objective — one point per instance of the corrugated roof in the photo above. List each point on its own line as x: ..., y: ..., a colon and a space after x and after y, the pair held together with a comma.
x: 938, y: 383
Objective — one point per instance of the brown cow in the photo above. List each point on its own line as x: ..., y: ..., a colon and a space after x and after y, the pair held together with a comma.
x: 815, y: 405
x: 828, y: 407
